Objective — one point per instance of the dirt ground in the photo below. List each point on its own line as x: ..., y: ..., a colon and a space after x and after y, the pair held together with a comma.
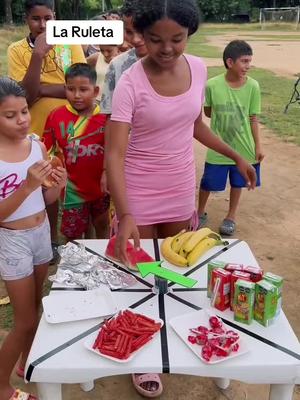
x: 269, y: 220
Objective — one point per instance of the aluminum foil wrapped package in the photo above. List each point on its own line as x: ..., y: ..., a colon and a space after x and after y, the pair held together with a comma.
x: 78, y: 267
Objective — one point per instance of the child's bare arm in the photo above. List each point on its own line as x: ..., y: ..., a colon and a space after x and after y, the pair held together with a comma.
x: 259, y: 154
x: 36, y: 174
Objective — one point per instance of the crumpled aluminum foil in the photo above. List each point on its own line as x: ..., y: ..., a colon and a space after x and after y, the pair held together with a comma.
x: 78, y: 267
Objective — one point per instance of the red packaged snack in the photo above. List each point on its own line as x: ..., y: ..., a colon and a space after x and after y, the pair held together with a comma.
x: 256, y: 273
x: 245, y: 276
x: 221, y: 289
x: 134, y: 256
x: 231, y: 267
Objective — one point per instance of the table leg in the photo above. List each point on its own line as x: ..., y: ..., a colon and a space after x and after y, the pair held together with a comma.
x: 222, y: 383
x: 87, y: 386
x: 281, y: 392
x: 49, y: 391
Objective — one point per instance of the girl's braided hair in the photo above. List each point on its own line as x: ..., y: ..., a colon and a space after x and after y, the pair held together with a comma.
x: 185, y: 12
x: 10, y: 87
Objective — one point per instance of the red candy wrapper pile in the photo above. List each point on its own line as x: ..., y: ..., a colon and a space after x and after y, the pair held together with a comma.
x: 215, y: 339
x: 125, y: 334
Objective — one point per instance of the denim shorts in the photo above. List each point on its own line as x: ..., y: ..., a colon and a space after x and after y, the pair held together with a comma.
x: 21, y: 250
x: 215, y: 177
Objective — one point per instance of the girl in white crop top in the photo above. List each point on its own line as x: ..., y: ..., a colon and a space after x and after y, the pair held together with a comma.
x: 25, y: 245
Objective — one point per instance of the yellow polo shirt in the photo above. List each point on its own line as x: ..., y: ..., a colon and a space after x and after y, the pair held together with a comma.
x: 52, y: 72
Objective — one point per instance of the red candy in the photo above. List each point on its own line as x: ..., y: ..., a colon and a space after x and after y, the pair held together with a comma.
x: 207, y: 352
x: 215, y: 322
x: 192, y: 339
x: 201, y: 339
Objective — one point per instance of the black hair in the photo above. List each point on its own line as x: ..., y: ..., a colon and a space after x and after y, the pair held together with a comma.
x: 236, y: 49
x: 81, y: 69
x: 185, y: 12
x: 30, y: 4
x: 114, y: 11
x: 128, y: 8
x: 10, y: 87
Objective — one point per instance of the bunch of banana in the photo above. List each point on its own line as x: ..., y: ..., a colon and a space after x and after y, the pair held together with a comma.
x: 185, y: 248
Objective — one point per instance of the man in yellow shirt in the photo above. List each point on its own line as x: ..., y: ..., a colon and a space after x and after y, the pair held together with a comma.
x: 40, y: 67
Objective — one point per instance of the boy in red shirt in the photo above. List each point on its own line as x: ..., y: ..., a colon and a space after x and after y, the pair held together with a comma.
x: 77, y: 130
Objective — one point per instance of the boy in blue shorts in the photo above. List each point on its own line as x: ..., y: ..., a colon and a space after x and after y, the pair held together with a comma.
x: 232, y: 101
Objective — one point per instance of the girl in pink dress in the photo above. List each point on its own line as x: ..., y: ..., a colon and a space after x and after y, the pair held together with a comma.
x: 152, y: 175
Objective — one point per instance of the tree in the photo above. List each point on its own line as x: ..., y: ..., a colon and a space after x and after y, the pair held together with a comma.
x: 8, y: 12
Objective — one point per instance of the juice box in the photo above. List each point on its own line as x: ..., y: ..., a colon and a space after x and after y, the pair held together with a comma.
x: 265, y: 305
x: 220, y: 284
x: 231, y: 267
x: 243, y: 303
x: 210, y: 267
x: 256, y: 273
x: 234, y: 277
x: 277, y: 281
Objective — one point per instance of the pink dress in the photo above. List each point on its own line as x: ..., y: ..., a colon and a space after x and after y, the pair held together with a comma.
x: 159, y: 165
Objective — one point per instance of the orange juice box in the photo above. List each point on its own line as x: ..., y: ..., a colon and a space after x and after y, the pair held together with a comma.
x: 234, y: 277
x: 220, y: 284
x: 265, y: 306
x: 243, y: 302
x: 210, y: 267
x: 277, y: 281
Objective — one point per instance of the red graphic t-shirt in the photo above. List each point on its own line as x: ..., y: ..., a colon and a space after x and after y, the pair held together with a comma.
x: 81, y: 140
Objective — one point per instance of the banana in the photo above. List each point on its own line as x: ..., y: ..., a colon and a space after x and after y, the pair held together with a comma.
x: 195, y: 239
x: 202, y: 247
x: 180, y: 240
x: 170, y: 255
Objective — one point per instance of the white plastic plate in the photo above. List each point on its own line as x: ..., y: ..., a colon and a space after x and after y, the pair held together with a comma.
x: 78, y: 305
x: 88, y: 344
x: 183, y: 323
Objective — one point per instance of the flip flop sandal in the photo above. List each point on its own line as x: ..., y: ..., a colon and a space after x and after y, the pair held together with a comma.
x: 202, y: 220
x: 20, y: 395
x: 139, y: 379
x: 227, y: 228
x: 20, y: 372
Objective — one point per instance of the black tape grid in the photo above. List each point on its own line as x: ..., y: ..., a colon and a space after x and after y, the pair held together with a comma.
x: 138, y: 278
x: 162, y: 315
x: 75, y: 339
x: 241, y: 329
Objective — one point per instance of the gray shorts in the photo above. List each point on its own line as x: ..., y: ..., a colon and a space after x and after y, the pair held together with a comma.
x: 21, y: 250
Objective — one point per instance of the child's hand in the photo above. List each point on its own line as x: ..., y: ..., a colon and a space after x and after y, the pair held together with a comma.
x: 103, y: 183
x: 127, y: 229
x: 59, y: 175
x: 40, y: 45
x: 248, y: 172
x: 259, y: 154
x: 37, y: 173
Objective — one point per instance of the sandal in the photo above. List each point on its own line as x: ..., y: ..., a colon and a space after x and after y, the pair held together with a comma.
x: 20, y: 372
x: 139, y: 379
x: 227, y: 228
x: 202, y: 220
x: 18, y: 394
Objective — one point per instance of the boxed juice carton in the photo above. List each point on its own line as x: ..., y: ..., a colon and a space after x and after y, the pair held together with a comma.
x: 256, y: 273
x: 220, y: 284
x: 234, y: 277
x: 243, y: 303
x: 265, y: 305
x: 277, y: 281
x: 210, y: 267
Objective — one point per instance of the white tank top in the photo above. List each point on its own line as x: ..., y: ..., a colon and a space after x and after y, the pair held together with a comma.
x: 11, y: 177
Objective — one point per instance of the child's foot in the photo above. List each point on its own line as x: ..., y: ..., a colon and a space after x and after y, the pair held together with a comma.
x: 202, y: 220
x: 228, y: 227
x: 148, y: 385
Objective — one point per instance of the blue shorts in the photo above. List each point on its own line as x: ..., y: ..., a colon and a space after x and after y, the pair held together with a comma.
x: 214, y: 178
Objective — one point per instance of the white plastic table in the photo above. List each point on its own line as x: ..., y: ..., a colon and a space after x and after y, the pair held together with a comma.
x: 58, y: 354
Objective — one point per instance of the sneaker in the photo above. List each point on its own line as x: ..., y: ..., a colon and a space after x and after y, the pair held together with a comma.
x: 56, y: 256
